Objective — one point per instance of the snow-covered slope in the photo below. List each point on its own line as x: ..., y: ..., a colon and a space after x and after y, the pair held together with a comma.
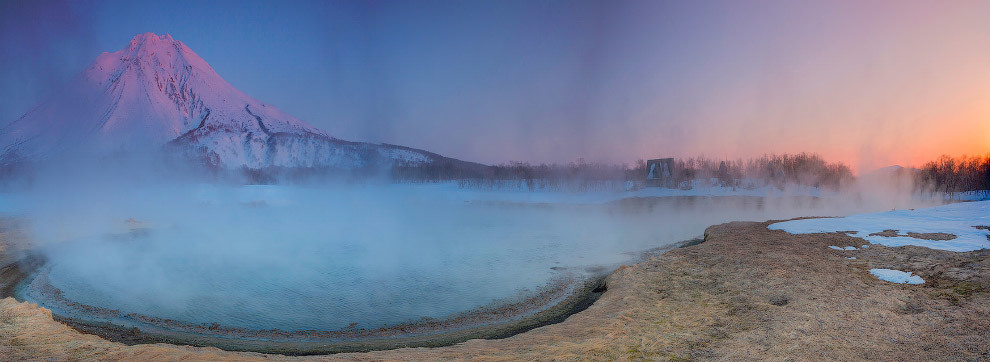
x: 157, y: 92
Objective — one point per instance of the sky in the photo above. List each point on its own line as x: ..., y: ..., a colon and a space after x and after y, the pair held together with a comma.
x: 869, y: 83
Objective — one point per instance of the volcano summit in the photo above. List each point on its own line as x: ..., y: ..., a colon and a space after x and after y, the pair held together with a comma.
x: 156, y: 93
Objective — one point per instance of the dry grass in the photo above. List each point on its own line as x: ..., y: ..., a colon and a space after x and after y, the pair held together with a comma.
x: 923, y: 236
x: 747, y: 293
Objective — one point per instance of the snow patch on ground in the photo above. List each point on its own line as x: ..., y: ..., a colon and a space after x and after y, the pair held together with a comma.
x: 957, y: 219
x: 897, y: 276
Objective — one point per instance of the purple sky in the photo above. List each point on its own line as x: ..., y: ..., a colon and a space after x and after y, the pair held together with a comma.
x: 869, y: 83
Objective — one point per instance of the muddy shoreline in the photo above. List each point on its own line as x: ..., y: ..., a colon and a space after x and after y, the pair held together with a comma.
x: 551, y: 304
x: 490, y: 322
x: 578, y: 301
x: 393, y: 337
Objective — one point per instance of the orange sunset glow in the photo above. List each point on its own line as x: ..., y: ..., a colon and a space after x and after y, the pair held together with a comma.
x: 510, y: 180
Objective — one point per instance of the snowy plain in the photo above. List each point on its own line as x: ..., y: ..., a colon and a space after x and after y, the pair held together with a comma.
x: 959, y: 219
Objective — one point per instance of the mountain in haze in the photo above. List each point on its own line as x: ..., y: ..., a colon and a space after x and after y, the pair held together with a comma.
x: 892, y: 171
x: 157, y: 93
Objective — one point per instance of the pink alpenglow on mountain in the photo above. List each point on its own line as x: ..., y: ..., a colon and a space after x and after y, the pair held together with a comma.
x: 156, y: 93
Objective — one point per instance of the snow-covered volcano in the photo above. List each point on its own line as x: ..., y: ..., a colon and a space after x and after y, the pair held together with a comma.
x: 156, y: 93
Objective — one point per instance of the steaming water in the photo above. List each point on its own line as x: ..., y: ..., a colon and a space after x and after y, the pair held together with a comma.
x: 297, y: 258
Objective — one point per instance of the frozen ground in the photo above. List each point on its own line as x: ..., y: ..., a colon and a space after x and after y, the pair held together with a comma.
x: 959, y: 219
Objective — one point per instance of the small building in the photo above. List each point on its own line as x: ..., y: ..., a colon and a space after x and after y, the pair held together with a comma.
x: 660, y: 172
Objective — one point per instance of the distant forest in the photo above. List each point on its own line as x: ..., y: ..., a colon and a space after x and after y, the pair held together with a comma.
x: 955, y: 174
x: 768, y: 170
x: 946, y: 174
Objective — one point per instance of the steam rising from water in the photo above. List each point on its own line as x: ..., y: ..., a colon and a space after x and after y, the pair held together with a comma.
x: 298, y: 258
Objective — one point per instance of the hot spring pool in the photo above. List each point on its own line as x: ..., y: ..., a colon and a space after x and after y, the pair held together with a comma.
x: 236, y: 261
x: 289, y: 271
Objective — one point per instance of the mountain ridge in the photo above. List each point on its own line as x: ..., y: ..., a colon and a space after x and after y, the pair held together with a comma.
x: 156, y: 93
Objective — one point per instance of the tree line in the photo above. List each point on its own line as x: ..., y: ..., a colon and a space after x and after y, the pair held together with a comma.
x: 949, y: 174
x: 768, y: 170
x: 804, y: 169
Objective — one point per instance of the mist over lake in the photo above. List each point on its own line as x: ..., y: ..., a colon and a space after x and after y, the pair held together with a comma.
x: 324, y: 258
